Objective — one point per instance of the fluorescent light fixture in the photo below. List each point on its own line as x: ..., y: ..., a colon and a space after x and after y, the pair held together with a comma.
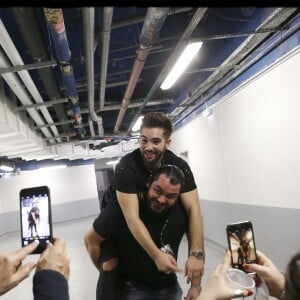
x: 181, y: 64
x: 113, y: 162
x: 6, y: 168
x: 138, y: 123
x: 53, y: 167
x: 207, y: 112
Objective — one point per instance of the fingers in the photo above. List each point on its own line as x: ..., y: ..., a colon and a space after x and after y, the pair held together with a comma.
x: 21, y: 254
x: 22, y: 273
x: 241, y: 293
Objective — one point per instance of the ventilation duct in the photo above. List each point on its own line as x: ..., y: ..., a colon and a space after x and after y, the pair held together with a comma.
x: 56, y: 25
x: 88, y: 26
x: 153, y: 23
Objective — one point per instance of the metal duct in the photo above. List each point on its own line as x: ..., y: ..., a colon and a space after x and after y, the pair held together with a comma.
x: 197, y: 17
x: 88, y: 26
x: 152, y: 25
x: 56, y: 25
x: 106, y: 28
x: 29, y: 27
x: 17, y: 87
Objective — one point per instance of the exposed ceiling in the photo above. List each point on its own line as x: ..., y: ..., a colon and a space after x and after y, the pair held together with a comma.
x: 75, y: 80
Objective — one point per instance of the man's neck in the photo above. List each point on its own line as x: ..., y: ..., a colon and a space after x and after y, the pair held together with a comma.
x: 152, y: 166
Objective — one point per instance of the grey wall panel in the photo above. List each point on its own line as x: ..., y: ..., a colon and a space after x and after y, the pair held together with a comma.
x: 276, y: 230
x: 10, y: 222
x: 75, y: 210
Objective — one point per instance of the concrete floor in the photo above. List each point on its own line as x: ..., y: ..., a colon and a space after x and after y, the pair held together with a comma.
x: 83, y: 278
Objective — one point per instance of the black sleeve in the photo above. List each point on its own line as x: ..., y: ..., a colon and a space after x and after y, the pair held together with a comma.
x: 126, y: 177
x: 50, y: 285
x: 109, y: 221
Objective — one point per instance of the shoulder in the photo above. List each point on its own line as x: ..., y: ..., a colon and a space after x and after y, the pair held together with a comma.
x: 171, y: 158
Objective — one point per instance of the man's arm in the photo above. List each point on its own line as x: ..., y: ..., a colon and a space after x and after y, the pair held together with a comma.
x: 130, y: 209
x: 190, y: 201
x: 92, y: 241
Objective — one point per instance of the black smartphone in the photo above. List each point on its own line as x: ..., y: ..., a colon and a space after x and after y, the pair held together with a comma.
x: 241, y: 243
x: 35, y: 217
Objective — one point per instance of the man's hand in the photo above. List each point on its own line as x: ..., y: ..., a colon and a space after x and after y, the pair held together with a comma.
x: 12, y: 272
x: 194, y: 267
x: 55, y: 258
x: 166, y: 262
x: 193, y: 293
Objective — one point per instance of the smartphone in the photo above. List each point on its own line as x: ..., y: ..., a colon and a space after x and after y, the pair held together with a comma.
x: 241, y: 243
x: 35, y: 217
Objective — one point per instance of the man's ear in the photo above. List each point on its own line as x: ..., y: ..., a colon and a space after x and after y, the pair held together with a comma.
x: 168, y: 143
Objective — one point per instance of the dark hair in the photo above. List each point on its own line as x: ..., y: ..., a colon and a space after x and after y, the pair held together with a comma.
x: 173, y: 173
x: 292, y: 279
x: 158, y: 119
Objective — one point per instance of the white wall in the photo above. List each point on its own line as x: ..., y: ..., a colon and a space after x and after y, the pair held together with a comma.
x: 66, y: 185
x: 246, y: 160
x: 248, y: 150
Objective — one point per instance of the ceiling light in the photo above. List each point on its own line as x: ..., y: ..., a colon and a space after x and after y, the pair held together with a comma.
x: 138, y: 123
x: 6, y: 168
x: 181, y: 64
x: 207, y: 111
x: 113, y: 162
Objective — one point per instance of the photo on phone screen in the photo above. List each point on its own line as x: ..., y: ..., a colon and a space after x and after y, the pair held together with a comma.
x: 35, y: 213
x: 241, y: 243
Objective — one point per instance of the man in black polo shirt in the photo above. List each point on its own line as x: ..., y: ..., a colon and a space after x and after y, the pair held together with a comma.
x: 166, y: 220
x: 130, y: 178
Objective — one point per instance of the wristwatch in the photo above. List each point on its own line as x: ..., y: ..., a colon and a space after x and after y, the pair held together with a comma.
x: 197, y: 253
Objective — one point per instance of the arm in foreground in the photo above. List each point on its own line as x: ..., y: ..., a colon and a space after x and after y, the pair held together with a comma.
x: 267, y: 270
x: 217, y: 287
x: 12, y: 271
x: 50, y: 281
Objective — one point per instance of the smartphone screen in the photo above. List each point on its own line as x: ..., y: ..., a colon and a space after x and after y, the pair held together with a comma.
x: 35, y: 213
x: 241, y: 244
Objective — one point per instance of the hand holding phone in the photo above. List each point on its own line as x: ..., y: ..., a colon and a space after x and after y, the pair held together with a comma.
x: 35, y: 216
x: 241, y: 243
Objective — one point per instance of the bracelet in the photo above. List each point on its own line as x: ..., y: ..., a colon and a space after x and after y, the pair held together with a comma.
x: 199, y: 287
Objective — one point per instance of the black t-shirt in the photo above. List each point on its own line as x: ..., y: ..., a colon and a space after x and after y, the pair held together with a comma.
x: 131, y: 176
x: 135, y: 264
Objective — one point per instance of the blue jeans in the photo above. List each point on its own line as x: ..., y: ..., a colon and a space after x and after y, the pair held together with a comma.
x: 173, y: 292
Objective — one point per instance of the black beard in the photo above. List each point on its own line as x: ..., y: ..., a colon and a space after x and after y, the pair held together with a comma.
x: 155, y: 163
x: 148, y: 213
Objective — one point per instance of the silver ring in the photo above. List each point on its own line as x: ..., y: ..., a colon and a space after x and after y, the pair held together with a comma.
x: 238, y: 293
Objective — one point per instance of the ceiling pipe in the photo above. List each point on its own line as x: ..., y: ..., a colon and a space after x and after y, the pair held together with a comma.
x: 106, y: 28
x: 15, y: 58
x: 29, y: 27
x: 18, y: 88
x: 88, y: 31
x: 154, y: 20
x: 56, y: 25
x: 197, y: 17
